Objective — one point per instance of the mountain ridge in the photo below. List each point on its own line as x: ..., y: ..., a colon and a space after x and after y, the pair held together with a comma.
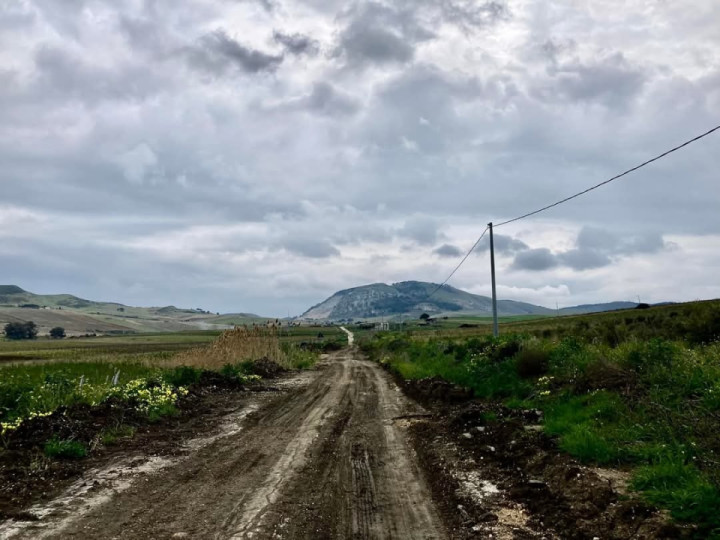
x: 411, y: 298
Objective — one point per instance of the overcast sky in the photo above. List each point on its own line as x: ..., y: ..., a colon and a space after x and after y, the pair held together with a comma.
x: 259, y: 155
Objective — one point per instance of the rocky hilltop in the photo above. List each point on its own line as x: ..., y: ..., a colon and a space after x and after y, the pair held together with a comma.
x: 410, y: 298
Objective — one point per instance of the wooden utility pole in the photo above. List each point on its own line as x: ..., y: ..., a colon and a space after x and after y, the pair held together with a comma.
x: 496, y: 331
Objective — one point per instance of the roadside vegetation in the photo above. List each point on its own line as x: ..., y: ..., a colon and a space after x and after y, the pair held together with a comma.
x: 637, y: 389
x: 147, y: 376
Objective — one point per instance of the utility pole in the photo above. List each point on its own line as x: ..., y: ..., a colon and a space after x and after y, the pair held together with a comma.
x: 496, y: 332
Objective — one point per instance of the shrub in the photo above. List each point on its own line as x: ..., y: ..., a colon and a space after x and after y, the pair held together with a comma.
x: 183, y: 376
x: 18, y: 330
x: 57, y: 333
x: 532, y: 361
x: 503, y: 350
x: 65, y: 449
x: 601, y: 373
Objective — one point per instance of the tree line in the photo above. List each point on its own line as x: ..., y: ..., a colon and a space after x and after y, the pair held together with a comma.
x: 29, y: 330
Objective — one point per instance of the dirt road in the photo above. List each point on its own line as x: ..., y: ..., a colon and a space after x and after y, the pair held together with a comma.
x: 329, y: 459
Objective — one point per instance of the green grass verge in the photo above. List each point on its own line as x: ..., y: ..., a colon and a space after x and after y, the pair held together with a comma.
x: 650, y: 405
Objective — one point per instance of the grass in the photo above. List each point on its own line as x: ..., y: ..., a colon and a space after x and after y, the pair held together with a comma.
x: 134, y: 348
x: 627, y: 398
x: 112, y: 435
x: 55, y: 448
x: 149, y: 372
x: 691, y: 322
x: 246, y: 343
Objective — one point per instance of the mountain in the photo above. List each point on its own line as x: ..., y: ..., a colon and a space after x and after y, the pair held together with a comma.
x: 409, y: 298
x: 80, y: 316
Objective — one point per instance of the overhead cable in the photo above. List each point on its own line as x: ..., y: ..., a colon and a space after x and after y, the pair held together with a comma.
x: 643, y: 164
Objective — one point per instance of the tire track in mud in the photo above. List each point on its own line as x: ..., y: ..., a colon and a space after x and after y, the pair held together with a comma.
x: 363, y: 482
x: 364, y: 493
x: 326, y: 460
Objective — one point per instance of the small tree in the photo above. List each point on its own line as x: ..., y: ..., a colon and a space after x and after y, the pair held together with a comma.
x: 18, y: 330
x: 424, y: 317
x: 57, y: 333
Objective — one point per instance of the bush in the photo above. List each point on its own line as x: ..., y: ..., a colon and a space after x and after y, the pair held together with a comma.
x: 183, y: 376
x: 504, y: 350
x: 601, y: 373
x: 532, y: 361
x: 57, y: 333
x: 18, y: 330
x: 65, y: 449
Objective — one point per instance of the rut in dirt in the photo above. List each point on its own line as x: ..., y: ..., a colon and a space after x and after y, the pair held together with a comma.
x: 327, y: 460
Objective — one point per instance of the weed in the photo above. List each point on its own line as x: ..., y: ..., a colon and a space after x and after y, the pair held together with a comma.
x: 112, y: 435
x: 55, y: 448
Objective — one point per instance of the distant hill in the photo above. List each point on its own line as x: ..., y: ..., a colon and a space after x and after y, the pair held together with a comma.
x: 597, y: 308
x: 80, y: 316
x: 410, y: 299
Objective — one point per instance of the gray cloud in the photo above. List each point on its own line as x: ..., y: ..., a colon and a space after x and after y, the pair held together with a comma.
x: 471, y: 15
x: 421, y: 229
x: 315, y: 248
x: 126, y: 114
x: 268, y: 5
x: 327, y: 99
x: 612, y: 81
x: 579, y: 259
x: 217, y: 51
x: 448, y: 250
x: 506, y: 245
x: 297, y: 44
x: 535, y: 259
x: 594, y: 248
x: 361, y: 43
x: 378, y: 34
x: 604, y: 241
x: 323, y: 99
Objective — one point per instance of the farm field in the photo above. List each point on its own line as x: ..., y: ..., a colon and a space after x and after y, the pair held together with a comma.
x: 135, y: 347
x: 559, y: 428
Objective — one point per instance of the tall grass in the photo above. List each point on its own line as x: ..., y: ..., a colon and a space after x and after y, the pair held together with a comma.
x: 234, y: 347
x: 28, y: 390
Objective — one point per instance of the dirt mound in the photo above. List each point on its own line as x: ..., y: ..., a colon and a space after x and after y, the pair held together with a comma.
x: 479, y: 444
x: 266, y: 368
x: 436, y: 389
x: 26, y: 474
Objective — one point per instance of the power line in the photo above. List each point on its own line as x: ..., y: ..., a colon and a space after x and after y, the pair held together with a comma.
x: 566, y: 199
x: 660, y: 156
x: 459, y: 264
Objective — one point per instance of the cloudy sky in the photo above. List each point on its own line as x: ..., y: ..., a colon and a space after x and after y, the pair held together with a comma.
x: 258, y: 155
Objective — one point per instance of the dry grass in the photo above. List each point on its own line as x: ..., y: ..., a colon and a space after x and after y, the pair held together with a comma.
x: 232, y: 347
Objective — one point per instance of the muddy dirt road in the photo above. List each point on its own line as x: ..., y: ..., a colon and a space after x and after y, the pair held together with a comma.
x: 328, y: 459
